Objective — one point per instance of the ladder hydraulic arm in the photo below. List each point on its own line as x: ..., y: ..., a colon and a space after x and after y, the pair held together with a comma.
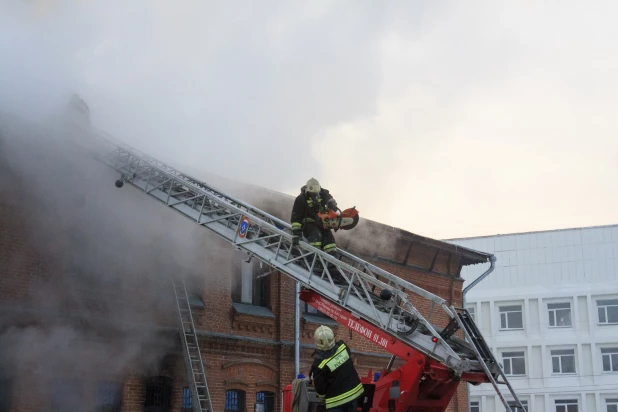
x: 368, y: 295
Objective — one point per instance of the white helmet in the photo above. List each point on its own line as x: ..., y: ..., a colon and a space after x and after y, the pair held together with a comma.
x: 324, y: 338
x: 313, y: 186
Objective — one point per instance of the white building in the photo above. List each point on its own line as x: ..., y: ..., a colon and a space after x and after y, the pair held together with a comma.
x: 549, y: 311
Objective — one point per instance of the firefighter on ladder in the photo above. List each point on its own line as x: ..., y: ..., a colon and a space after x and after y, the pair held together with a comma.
x: 311, y: 200
x: 333, y: 374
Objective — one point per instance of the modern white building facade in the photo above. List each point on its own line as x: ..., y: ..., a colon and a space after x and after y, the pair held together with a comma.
x: 549, y: 311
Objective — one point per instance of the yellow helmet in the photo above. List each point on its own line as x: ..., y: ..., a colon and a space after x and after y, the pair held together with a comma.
x: 313, y: 186
x: 324, y: 338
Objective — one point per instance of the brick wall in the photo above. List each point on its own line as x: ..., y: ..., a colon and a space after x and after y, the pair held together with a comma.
x: 35, y: 279
x: 218, y: 317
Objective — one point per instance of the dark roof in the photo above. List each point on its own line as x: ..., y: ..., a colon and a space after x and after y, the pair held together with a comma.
x: 244, y: 190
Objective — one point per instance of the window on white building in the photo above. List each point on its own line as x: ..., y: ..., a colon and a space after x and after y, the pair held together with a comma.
x: 612, y: 405
x: 514, y: 363
x: 559, y: 315
x: 608, y: 311
x: 566, y: 405
x: 472, y: 312
x: 475, y: 406
x: 511, y: 317
x: 610, y: 359
x: 563, y: 360
x: 516, y: 408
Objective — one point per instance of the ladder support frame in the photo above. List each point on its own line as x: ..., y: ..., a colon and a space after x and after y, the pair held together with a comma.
x: 266, y: 238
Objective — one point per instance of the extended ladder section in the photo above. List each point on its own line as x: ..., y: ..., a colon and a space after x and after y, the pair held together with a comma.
x: 200, y: 397
x: 488, y: 361
x: 351, y: 282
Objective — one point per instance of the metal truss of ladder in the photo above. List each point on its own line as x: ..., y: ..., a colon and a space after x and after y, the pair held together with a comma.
x: 200, y: 395
x: 357, y: 283
x: 485, y: 356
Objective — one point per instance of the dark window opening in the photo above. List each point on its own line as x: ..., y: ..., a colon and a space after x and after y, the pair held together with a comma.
x: 310, y: 309
x: 6, y: 391
x: 158, y: 394
x: 109, y: 397
x: 67, y: 395
x: 264, y: 402
x: 234, y: 401
x: 248, y: 286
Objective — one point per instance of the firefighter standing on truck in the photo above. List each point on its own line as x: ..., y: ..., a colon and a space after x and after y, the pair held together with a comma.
x: 312, y: 200
x: 333, y: 374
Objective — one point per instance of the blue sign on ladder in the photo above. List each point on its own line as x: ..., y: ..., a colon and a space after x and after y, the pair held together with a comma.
x: 244, y: 227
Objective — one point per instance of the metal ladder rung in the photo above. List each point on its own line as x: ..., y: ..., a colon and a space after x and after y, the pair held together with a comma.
x: 176, y: 189
x: 193, y: 361
x: 481, y: 348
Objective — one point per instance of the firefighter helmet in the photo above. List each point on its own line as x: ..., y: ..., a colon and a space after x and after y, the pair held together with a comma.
x: 324, y: 338
x: 313, y: 186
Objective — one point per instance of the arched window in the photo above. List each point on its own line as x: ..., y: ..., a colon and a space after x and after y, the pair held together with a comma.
x: 234, y: 400
x: 109, y: 396
x: 186, y: 405
x: 158, y: 394
x: 265, y: 402
x: 6, y: 390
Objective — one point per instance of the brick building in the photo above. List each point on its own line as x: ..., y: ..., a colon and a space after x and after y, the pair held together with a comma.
x: 87, y: 317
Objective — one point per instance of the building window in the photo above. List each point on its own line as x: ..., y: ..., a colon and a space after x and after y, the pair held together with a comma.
x: 109, y: 397
x: 472, y: 311
x: 67, y: 396
x: 186, y: 405
x: 249, y: 287
x: 511, y: 317
x: 563, y: 360
x: 516, y: 408
x: 475, y: 406
x: 314, y: 311
x: 610, y: 359
x: 559, y: 315
x: 612, y: 405
x: 264, y: 402
x: 514, y: 363
x: 566, y: 405
x: 158, y: 394
x: 234, y: 401
x: 6, y: 392
x: 608, y: 311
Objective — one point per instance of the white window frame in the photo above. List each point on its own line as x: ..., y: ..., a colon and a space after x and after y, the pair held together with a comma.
x: 516, y: 408
x: 508, y: 360
x: 472, y: 311
x: 246, y: 282
x: 559, y: 356
x: 475, y: 406
x: 502, y: 311
x: 611, y: 402
x: 613, y: 360
x: 562, y: 405
x: 552, y: 314
x: 603, y: 306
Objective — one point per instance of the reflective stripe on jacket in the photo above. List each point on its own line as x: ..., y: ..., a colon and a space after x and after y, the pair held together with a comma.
x: 335, y: 378
x: 305, y: 209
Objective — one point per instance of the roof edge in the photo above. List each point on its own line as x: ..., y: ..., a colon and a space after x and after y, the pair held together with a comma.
x: 534, y: 231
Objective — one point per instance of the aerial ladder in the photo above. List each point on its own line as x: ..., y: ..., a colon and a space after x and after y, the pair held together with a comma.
x: 360, y: 296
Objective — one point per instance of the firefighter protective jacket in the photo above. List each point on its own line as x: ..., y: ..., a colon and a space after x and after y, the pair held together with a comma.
x: 305, y: 208
x: 334, y: 377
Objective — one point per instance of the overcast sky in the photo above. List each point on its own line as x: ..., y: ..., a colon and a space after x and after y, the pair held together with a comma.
x: 447, y: 119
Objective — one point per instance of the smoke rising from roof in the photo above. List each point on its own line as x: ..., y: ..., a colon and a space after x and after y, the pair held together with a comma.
x: 432, y: 108
x: 98, y: 301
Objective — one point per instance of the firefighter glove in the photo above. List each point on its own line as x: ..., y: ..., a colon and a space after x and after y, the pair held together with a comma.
x: 332, y: 205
